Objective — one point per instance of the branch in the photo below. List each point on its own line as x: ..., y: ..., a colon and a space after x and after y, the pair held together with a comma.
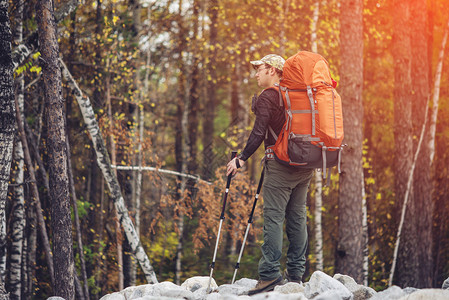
x: 137, y: 168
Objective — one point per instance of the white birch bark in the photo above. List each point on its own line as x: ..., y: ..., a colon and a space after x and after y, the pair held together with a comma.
x: 314, y: 26
x: 18, y: 210
x: 7, y: 123
x: 18, y: 219
x: 318, y: 175
x: 318, y: 222
x: 180, y: 223
x: 365, y: 234
x: 139, y: 147
x: 139, y: 171
x: 109, y: 175
x: 436, y: 94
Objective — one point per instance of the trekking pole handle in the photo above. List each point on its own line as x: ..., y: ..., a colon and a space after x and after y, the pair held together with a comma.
x: 228, y: 183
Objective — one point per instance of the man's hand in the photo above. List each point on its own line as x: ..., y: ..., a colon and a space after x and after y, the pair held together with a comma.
x: 232, y: 166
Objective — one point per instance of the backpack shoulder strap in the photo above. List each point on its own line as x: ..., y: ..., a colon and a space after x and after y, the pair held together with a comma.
x: 278, y: 89
x: 272, y: 133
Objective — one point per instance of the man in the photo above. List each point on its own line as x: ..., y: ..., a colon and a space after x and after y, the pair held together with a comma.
x: 285, y: 187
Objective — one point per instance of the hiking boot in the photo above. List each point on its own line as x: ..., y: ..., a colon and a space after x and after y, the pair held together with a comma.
x: 265, y: 286
x: 292, y: 278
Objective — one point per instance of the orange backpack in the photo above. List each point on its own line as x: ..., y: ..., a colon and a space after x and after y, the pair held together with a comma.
x: 313, y: 130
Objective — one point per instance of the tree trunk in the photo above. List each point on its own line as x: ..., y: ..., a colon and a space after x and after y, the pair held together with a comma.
x: 129, y: 264
x: 181, y: 151
x: 436, y: 94
x: 194, y: 92
x: 318, y: 174
x: 422, y: 183
x: 318, y: 222
x: 211, y: 100
x: 30, y: 246
x: 350, y: 240
x: 57, y: 152
x: 18, y: 211
x: 114, y: 188
x: 119, y: 240
x: 18, y: 208
x: 365, y: 240
x: 406, y: 274
x: 85, y: 288
x: 7, y: 125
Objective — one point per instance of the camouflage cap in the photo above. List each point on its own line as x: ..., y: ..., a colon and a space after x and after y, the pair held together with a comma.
x: 273, y: 60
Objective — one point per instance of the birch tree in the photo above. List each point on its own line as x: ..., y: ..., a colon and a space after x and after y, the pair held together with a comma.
x: 18, y: 208
x: 436, y: 93
x: 350, y: 216
x: 57, y: 152
x: 7, y: 125
x: 181, y: 149
x: 110, y: 177
x: 318, y: 174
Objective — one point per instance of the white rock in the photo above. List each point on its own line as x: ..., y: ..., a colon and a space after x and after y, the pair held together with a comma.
x: 278, y: 296
x: 289, y: 288
x: 214, y: 296
x: 445, y: 284
x: 55, y: 298
x: 169, y: 289
x: 158, y: 298
x: 320, y: 282
x: 136, y: 292
x: 359, y: 291
x: 427, y: 294
x: 113, y: 296
x: 364, y: 292
x: 203, y: 281
x: 232, y: 289
x: 392, y: 293
x: 347, y: 281
x: 246, y: 282
x: 333, y: 295
x: 200, y: 293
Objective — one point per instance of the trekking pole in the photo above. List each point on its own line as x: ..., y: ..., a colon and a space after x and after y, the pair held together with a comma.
x: 212, y: 265
x: 250, y: 221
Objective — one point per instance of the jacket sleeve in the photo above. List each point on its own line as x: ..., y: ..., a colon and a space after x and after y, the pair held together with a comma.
x: 264, y: 109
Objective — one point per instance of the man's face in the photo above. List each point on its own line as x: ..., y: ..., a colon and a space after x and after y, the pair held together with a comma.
x: 263, y: 75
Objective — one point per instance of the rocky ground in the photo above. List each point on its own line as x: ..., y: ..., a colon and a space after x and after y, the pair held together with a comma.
x: 319, y: 287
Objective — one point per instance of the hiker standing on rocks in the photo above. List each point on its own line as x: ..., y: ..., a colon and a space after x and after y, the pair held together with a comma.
x: 285, y: 187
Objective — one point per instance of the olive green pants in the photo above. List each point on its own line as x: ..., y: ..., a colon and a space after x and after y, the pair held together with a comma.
x: 284, y: 195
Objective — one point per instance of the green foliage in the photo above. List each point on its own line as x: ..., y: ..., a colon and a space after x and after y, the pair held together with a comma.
x: 83, y: 208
